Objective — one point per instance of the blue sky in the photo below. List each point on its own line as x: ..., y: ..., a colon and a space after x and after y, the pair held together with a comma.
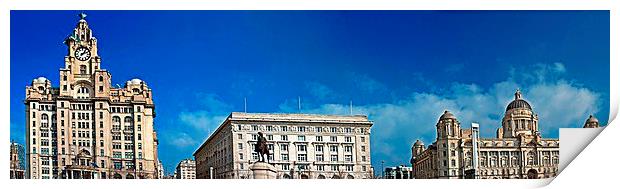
x: 402, y: 68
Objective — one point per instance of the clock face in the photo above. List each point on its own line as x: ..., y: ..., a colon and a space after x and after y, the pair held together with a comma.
x: 82, y: 53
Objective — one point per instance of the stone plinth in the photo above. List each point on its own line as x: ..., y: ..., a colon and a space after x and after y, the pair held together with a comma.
x: 263, y: 170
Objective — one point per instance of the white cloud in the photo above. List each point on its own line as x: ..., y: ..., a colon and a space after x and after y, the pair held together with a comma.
x: 399, y: 123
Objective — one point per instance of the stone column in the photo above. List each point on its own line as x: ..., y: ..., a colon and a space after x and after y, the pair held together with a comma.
x: 263, y: 170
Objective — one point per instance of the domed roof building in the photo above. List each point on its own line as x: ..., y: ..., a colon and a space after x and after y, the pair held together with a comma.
x: 517, y: 151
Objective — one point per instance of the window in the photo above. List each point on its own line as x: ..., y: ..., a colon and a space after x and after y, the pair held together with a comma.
x: 319, y: 129
x: 334, y: 158
x: 333, y: 148
x: 301, y: 138
x: 363, y: 158
x: 347, y: 130
x: 349, y: 167
x: 347, y: 139
x: 269, y: 128
x: 301, y: 148
x: 348, y: 148
x: 284, y: 147
x: 284, y: 128
x: 302, y: 157
x: 285, y: 167
x: 363, y: 148
x: 333, y: 138
x: 254, y: 128
x: 284, y: 157
x: 100, y: 78
x: 284, y: 137
x: 320, y: 167
x: 254, y: 137
x: 334, y: 167
x: 334, y: 129
x: 318, y: 148
x: 301, y: 129
x: 240, y: 146
x: 82, y: 69
x: 270, y: 137
x: 239, y: 136
x: 319, y: 138
x: 241, y: 156
x: 348, y: 158
x: 453, y: 162
x: 319, y: 157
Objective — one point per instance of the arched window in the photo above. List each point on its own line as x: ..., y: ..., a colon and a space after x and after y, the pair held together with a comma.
x: 128, y: 123
x: 100, y: 78
x: 44, y: 120
x: 116, y: 123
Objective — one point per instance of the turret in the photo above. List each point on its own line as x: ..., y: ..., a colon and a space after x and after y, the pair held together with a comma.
x: 591, y: 122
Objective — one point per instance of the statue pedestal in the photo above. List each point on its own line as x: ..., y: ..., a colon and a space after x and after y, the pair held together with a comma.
x: 263, y: 170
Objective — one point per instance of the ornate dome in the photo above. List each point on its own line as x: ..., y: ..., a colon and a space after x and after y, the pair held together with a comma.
x: 518, y: 102
x: 447, y: 115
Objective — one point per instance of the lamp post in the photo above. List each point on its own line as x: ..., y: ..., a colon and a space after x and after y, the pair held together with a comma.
x: 382, y: 170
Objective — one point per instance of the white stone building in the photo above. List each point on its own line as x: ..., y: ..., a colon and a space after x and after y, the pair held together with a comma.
x: 186, y: 169
x: 301, y: 146
x: 86, y: 127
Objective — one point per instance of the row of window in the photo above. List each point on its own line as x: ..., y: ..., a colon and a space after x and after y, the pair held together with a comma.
x: 302, y: 138
x: 301, y: 128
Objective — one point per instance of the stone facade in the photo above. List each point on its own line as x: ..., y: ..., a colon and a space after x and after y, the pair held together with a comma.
x: 518, y: 151
x: 87, y: 128
x: 17, y: 161
x: 400, y: 172
x: 186, y: 169
x: 301, y: 146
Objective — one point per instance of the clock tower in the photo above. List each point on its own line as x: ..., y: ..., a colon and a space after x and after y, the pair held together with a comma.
x: 82, y: 64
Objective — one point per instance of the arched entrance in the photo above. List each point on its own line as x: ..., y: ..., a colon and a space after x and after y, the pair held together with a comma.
x: 532, y: 174
x: 130, y: 176
x: 286, y: 176
x: 117, y: 176
x: 335, y: 177
x: 304, y: 176
x: 350, y: 177
x: 321, y: 177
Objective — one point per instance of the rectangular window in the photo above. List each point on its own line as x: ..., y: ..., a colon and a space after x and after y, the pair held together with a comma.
x: 319, y: 129
x: 240, y: 146
x: 348, y: 148
x: 319, y: 138
x: 348, y: 158
x: 284, y: 137
x: 347, y: 139
x: 333, y: 138
x: 334, y: 158
x: 284, y: 157
x: 284, y: 147
x: 347, y: 130
x: 333, y: 148
x: 334, y: 129
x: 302, y: 157
x: 239, y: 136
x: 301, y: 148
x: 270, y: 137
x: 241, y: 156
x: 301, y: 129
x: 319, y: 157
x: 284, y: 128
x: 301, y: 138
x: 318, y: 148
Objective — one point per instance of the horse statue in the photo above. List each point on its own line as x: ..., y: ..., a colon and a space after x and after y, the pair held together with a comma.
x: 261, y: 148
